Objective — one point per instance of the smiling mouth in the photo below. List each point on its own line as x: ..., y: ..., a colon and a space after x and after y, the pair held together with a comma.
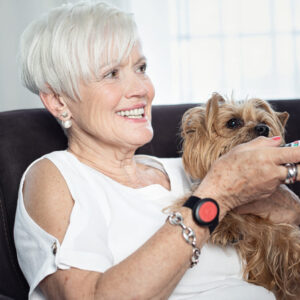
x: 137, y: 113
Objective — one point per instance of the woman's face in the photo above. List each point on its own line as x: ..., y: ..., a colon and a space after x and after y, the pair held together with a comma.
x: 116, y: 109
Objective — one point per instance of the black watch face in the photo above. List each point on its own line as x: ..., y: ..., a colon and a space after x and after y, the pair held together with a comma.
x: 206, y: 212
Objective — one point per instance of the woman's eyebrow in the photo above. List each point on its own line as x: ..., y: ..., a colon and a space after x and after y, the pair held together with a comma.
x: 115, y: 64
x: 142, y: 58
x: 111, y: 65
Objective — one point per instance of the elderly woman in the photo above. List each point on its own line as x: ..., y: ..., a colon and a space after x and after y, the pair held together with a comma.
x: 89, y: 221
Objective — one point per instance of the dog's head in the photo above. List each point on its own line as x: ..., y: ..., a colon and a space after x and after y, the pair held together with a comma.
x: 211, y: 131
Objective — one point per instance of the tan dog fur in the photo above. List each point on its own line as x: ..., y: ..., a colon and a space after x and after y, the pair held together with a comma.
x: 270, y: 252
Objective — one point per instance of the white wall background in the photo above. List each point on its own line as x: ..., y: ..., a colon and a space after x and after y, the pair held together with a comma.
x: 16, y: 14
x: 176, y: 36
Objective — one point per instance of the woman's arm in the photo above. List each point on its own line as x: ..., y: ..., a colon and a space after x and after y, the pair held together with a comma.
x: 152, y: 271
x: 250, y: 171
x: 283, y: 206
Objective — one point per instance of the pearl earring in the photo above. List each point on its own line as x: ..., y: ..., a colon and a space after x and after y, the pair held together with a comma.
x: 66, y: 124
x: 64, y: 114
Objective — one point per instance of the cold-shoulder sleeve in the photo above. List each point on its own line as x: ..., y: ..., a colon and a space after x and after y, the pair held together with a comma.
x: 85, y: 245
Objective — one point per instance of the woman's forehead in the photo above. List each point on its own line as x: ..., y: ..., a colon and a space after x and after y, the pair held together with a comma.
x: 130, y: 57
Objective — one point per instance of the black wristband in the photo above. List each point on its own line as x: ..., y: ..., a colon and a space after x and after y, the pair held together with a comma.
x: 210, y: 218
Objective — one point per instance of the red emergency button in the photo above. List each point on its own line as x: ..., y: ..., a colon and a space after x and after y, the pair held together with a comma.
x: 208, y: 211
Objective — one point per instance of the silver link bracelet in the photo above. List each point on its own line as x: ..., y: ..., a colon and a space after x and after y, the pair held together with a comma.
x: 175, y: 218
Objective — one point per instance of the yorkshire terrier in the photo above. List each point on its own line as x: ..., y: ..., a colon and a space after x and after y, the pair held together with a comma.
x: 270, y: 252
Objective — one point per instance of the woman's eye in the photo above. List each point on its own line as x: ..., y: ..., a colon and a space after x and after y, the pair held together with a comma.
x: 111, y: 74
x: 234, y: 123
x: 142, y: 68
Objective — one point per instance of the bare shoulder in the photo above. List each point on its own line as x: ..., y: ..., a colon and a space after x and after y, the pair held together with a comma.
x: 49, y: 203
x: 47, y: 198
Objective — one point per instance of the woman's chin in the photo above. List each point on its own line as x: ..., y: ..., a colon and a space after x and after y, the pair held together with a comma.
x: 142, y: 138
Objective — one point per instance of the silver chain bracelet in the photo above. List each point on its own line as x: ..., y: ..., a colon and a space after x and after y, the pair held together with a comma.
x: 175, y: 218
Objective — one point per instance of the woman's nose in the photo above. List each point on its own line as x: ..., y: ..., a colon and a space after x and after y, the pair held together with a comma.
x: 136, y: 87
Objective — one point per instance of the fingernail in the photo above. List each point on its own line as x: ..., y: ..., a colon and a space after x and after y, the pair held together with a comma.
x: 276, y: 138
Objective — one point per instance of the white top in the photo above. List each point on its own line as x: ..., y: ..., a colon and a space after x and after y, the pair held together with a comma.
x: 109, y: 221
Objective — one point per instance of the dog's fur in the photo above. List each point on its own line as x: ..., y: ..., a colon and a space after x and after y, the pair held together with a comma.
x: 270, y: 252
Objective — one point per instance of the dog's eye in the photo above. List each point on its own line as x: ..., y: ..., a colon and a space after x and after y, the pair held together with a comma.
x: 234, y: 123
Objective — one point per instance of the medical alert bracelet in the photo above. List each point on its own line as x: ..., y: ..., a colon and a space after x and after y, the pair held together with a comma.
x: 175, y: 218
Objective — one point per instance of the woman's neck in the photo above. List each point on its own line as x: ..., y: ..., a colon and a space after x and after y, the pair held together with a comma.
x: 115, y: 162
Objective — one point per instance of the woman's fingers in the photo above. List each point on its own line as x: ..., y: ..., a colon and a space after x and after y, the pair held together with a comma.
x: 262, y: 141
x: 286, y: 155
x: 280, y: 155
x: 250, y: 171
x: 298, y: 171
x: 285, y: 172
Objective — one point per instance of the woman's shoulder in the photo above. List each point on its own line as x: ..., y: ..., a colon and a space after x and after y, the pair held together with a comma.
x: 45, y: 165
x: 42, y: 174
x: 42, y: 179
x: 46, y: 197
x: 55, y: 169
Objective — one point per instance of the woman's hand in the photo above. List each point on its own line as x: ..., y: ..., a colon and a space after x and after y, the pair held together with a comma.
x: 283, y: 206
x: 248, y: 172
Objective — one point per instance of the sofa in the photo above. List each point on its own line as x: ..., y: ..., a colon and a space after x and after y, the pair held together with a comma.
x: 28, y: 134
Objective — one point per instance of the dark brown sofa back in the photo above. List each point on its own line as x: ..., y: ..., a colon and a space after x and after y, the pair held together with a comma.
x: 26, y: 135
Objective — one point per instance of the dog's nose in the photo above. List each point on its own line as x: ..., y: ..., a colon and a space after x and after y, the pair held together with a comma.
x: 262, y: 130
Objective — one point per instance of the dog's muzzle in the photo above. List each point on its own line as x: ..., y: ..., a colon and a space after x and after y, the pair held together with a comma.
x: 262, y: 130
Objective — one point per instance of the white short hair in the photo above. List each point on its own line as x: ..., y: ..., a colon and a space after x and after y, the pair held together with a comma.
x: 71, y: 43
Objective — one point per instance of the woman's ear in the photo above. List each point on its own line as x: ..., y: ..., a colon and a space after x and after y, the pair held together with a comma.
x: 55, y: 104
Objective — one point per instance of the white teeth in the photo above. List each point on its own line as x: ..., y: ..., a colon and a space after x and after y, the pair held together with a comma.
x: 133, y: 113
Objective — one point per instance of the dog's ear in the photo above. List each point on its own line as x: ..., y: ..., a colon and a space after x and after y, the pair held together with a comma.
x: 283, y: 117
x: 193, y: 132
x: 192, y: 119
x: 262, y: 104
x: 212, y: 110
